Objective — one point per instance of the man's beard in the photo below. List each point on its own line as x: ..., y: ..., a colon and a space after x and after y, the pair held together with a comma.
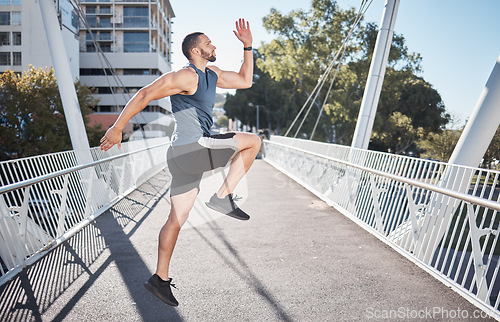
x: 208, y: 56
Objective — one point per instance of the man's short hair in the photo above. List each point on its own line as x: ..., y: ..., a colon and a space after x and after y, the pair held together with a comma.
x: 190, y: 42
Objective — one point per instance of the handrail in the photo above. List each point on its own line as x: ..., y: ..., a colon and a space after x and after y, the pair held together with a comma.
x: 58, y: 199
x: 425, y: 210
x: 32, y: 181
x: 458, y: 195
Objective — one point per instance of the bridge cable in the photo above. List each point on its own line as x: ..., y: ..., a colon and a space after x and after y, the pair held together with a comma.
x: 327, y: 72
x: 362, y: 10
x: 110, y: 68
x: 334, y: 76
x: 326, y: 96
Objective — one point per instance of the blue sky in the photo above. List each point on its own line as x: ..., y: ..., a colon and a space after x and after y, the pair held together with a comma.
x: 459, y: 40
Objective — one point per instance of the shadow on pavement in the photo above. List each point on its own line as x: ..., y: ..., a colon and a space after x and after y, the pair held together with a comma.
x: 58, y: 281
x: 244, y: 272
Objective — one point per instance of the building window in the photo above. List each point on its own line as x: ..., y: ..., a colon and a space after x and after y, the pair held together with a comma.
x: 4, y: 2
x: 16, y: 18
x: 16, y: 2
x: 104, y: 35
x: 104, y: 90
x: 105, y: 22
x: 4, y: 59
x: 90, y: 10
x: 90, y: 47
x: 135, y: 11
x: 105, y: 10
x: 104, y: 108
x: 136, y: 72
x: 135, y: 17
x: 105, y: 48
x: 92, y: 21
x: 16, y: 38
x: 16, y: 59
x: 93, y: 72
x: 4, y: 18
x: 135, y: 42
x: 4, y: 38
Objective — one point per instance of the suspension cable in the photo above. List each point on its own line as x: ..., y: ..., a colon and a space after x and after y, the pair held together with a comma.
x: 362, y: 10
x: 326, y: 96
x: 101, y: 56
x: 358, y: 19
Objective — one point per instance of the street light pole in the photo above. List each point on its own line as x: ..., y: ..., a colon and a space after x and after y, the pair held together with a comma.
x: 258, y: 107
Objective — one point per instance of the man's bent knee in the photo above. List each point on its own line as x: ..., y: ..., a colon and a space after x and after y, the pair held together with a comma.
x: 247, y: 141
x: 257, y: 141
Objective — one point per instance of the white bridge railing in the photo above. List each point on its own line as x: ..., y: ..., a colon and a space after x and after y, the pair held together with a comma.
x: 443, y: 217
x: 44, y: 200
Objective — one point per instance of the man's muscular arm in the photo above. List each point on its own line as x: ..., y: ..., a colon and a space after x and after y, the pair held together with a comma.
x: 182, y: 81
x: 242, y: 79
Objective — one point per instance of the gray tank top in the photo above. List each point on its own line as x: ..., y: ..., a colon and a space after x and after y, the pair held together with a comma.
x: 193, y: 113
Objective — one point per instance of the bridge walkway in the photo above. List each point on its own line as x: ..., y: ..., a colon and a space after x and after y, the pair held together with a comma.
x: 296, y: 259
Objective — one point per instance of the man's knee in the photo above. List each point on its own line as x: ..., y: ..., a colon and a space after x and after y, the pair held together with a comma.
x: 177, y: 219
x: 256, y: 141
x: 248, y: 141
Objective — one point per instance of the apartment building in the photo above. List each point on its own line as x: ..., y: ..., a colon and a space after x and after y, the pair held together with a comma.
x: 132, y: 38
x: 22, y: 36
x: 135, y: 39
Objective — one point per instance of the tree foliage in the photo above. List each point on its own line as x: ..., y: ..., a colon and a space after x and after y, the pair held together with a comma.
x: 493, y: 152
x: 439, y: 146
x: 32, y: 117
x: 278, y: 100
x: 305, y: 44
x: 400, y: 133
x: 222, y: 121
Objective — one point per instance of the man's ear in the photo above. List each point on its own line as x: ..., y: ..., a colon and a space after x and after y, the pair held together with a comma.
x: 195, y: 51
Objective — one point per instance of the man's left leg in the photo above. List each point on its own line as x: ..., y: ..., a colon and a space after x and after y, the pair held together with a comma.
x: 248, y: 146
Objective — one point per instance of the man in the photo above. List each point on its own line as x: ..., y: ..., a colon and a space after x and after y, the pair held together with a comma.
x: 194, y: 149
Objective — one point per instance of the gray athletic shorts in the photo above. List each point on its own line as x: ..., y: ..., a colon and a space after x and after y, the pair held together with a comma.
x: 187, y: 163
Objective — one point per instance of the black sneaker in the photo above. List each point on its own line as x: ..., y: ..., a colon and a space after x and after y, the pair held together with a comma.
x: 227, y: 206
x: 161, y: 289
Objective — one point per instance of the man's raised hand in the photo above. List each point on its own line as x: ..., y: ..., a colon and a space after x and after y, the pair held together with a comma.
x: 243, y: 32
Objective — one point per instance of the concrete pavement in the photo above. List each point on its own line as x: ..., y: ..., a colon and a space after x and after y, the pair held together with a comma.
x: 296, y: 259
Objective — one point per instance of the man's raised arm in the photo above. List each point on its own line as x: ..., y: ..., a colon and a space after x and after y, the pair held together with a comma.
x: 166, y: 85
x: 242, y: 79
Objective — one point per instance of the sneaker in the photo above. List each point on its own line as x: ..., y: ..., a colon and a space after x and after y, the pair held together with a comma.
x: 227, y: 206
x: 161, y: 289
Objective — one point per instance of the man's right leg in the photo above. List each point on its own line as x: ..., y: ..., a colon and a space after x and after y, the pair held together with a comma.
x: 180, y: 206
x: 159, y: 284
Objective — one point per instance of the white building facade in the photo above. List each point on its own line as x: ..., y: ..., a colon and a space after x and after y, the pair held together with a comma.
x: 134, y: 38
x: 22, y: 36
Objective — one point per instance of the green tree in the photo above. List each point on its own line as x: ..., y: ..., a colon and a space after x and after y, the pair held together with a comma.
x: 278, y: 100
x: 303, y: 48
x: 493, y: 152
x: 222, y: 121
x: 32, y: 118
x: 439, y: 146
x: 399, y: 134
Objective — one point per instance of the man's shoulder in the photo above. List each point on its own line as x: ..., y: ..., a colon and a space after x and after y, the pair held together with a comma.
x: 187, y: 71
x: 215, y: 69
x: 184, y: 75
